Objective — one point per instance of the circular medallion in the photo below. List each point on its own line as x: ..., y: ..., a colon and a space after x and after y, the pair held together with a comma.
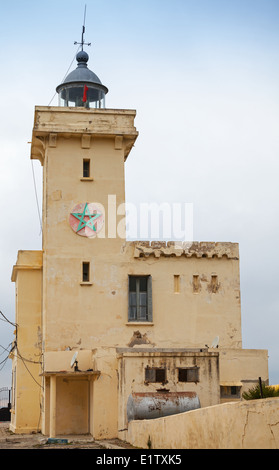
x: 86, y: 219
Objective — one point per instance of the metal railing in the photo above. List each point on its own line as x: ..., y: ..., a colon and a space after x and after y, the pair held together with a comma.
x: 5, y: 397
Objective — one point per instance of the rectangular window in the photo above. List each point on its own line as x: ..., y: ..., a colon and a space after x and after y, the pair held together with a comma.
x: 214, y: 283
x: 176, y: 279
x: 140, y: 298
x: 85, y: 271
x: 155, y: 374
x: 188, y: 374
x: 196, y: 283
x: 231, y: 392
x: 86, y: 168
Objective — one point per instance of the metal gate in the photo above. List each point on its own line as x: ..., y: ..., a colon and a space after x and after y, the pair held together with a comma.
x: 5, y: 404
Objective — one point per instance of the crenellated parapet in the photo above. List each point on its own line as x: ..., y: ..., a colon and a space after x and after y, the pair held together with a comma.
x: 186, y: 249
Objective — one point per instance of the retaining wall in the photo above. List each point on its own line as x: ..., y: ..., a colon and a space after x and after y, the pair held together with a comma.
x: 252, y: 424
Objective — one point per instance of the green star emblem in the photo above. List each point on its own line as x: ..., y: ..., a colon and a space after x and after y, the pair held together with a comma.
x: 86, y: 219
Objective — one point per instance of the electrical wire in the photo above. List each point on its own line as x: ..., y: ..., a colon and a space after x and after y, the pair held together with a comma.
x: 34, y: 180
x: 19, y: 356
x: 6, y: 319
x: 7, y: 357
x: 5, y: 349
x: 65, y: 75
x: 27, y: 360
x: 4, y: 362
x: 29, y: 370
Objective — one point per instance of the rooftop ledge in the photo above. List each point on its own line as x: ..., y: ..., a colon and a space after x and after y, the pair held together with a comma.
x: 50, y: 122
x: 82, y: 120
x: 27, y: 260
x: 172, y: 352
x: 69, y: 109
x: 78, y: 373
x: 186, y: 249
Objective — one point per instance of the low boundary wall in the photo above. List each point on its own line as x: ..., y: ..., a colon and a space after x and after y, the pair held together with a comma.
x: 252, y: 424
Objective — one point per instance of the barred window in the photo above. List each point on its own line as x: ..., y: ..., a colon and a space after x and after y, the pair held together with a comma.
x: 188, y: 374
x: 155, y: 374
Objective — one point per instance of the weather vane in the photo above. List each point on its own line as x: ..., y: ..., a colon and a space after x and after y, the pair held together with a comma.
x: 82, y: 43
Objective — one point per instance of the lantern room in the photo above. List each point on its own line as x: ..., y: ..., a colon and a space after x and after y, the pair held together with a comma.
x: 82, y: 87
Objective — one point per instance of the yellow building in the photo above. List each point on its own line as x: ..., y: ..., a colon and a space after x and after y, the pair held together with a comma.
x: 106, y: 326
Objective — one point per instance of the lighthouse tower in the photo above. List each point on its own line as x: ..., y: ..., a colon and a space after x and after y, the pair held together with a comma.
x: 106, y: 326
x: 82, y: 147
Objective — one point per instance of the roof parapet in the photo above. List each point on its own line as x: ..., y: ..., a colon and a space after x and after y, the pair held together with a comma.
x: 187, y: 249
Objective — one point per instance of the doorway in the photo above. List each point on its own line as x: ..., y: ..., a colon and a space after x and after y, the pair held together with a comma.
x: 72, y: 406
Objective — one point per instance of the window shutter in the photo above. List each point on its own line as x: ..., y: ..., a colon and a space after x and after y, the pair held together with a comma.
x: 193, y: 375
x: 129, y: 301
x: 150, y: 375
x: 149, y: 299
x: 140, y: 298
x: 132, y: 316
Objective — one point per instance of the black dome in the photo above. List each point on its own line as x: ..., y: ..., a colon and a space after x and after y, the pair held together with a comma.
x: 82, y: 75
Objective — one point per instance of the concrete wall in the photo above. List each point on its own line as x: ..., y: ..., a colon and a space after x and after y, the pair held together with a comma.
x: 243, y: 367
x: 245, y: 425
x: 131, y: 372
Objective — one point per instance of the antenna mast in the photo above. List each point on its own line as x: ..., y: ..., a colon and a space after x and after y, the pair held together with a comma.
x: 82, y: 43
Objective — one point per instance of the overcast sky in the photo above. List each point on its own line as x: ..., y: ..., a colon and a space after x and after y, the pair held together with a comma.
x: 203, y: 76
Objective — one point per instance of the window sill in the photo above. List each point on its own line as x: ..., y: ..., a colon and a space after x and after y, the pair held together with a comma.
x: 142, y: 323
x: 86, y: 179
x: 86, y: 284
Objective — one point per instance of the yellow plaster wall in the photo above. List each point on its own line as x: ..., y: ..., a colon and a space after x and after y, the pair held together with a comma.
x: 243, y: 366
x: 94, y: 317
x: 245, y: 425
x: 57, y: 361
x: 131, y: 372
x: 27, y: 355
x: 97, y: 314
x: 105, y: 395
x: 72, y: 412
